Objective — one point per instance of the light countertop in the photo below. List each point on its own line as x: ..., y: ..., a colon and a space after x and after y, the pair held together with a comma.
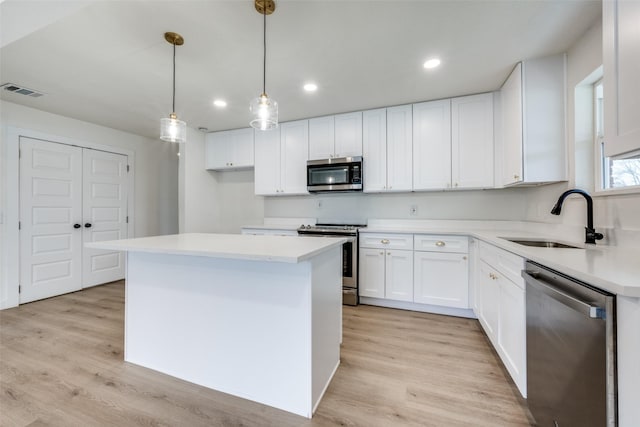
x: 289, y: 249
x: 611, y: 268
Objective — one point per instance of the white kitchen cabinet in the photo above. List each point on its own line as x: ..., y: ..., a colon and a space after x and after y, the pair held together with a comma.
x: 335, y: 136
x: 621, y: 63
x: 399, y: 148
x: 386, y: 274
x: 532, y: 124
x: 472, y: 148
x: 441, y: 270
x: 502, y: 310
x: 489, y: 301
x: 294, y: 153
x: 374, y: 150
x: 432, y: 145
x: 372, y: 272
x: 228, y: 150
x: 267, y: 169
x: 281, y: 159
x: 321, y: 138
x: 348, y: 135
x: 399, y: 275
x: 386, y: 266
x: 386, y: 147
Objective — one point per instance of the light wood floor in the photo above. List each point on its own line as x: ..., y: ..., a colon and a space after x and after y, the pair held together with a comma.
x: 61, y: 364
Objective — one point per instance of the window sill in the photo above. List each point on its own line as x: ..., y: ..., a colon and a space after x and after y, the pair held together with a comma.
x: 617, y: 191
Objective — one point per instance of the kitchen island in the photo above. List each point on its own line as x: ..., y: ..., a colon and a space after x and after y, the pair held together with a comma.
x: 257, y: 317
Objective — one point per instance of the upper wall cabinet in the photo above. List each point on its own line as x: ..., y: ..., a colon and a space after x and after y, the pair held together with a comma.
x: 472, y: 155
x: 621, y: 60
x: 532, y: 131
x: 432, y: 145
x: 281, y: 159
x: 386, y: 149
x: 453, y: 143
x: 335, y: 136
x: 232, y: 149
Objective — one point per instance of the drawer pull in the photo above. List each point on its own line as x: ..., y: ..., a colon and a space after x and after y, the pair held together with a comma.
x: 440, y: 243
x: 384, y: 241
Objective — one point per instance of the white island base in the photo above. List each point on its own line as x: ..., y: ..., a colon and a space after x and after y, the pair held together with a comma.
x: 268, y: 331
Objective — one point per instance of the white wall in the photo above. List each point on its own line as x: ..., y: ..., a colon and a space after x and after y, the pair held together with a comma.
x: 613, y: 213
x: 215, y: 202
x: 156, y: 169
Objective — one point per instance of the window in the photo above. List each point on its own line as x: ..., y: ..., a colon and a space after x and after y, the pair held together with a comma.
x: 613, y: 172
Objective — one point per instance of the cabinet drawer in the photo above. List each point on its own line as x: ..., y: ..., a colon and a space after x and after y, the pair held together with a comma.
x: 441, y: 243
x: 386, y: 241
x: 510, y: 265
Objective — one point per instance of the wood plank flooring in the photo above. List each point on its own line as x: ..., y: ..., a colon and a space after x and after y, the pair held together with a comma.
x: 61, y: 364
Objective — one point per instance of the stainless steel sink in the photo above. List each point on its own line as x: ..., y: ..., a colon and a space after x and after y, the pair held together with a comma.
x: 543, y: 244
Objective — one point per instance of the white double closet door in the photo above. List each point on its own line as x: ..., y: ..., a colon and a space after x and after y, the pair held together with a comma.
x: 69, y: 196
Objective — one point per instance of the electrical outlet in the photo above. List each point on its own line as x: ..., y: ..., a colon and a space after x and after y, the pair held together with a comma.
x: 413, y: 210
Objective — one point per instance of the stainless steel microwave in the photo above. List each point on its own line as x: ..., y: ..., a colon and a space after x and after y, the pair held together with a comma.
x: 335, y: 174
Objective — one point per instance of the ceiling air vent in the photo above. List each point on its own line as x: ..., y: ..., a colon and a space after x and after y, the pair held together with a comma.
x: 14, y: 88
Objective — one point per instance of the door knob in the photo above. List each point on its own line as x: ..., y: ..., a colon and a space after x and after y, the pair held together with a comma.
x: 76, y: 226
x: 87, y: 225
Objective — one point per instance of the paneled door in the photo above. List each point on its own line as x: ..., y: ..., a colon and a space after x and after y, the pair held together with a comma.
x: 50, y: 219
x: 104, y: 206
x: 69, y: 196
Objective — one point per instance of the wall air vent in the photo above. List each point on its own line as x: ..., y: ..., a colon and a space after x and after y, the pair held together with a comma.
x: 14, y: 88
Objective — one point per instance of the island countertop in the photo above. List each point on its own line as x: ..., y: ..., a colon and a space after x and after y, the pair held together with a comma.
x: 288, y: 249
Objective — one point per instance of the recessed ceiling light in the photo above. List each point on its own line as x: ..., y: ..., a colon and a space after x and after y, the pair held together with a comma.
x: 220, y: 103
x: 310, y: 87
x: 432, y: 63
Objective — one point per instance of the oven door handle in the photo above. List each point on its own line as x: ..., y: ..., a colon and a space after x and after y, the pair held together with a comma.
x: 572, y: 302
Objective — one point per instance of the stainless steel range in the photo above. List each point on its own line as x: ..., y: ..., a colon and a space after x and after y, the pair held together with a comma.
x: 349, y: 254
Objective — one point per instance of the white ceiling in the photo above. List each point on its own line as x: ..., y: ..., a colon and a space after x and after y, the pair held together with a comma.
x: 108, y: 63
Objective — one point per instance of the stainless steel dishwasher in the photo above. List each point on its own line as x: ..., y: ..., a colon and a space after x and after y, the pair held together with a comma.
x: 571, y: 354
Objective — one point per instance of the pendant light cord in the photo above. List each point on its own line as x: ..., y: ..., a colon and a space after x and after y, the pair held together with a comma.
x: 174, y: 79
x: 264, y: 51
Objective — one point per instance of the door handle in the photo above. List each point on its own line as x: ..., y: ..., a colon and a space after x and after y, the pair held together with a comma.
x: 87, y: 225
x: 76, y: 226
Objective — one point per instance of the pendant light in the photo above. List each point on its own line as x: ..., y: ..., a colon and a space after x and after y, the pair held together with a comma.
x: 264, y: 110
x: 172, y: 129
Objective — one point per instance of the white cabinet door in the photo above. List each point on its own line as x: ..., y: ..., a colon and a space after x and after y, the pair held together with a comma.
x: 241, y: 148
x: 294, y: 153
x: 348, y: 135
x: 512, y: 331
x: 372, y: 272
x: 621, y: 60
x: 472, y: 154
x: 432, y: 145
x: 267, y: 159
x: 104, y: 200
x: 399, y: 275
x: 511, y: 108
x: 489, y: 290
x: 50, y: 205
x: 321, y: 138
x: 232, y: 149
x: 399, y: 148
x: 217, y: 154
x: 441, y: 279
x: 374, y: 150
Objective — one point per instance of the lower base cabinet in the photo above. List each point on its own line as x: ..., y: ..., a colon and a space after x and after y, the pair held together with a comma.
x: 501, y: 309
x: 441, y: 279
x: 386, y: 274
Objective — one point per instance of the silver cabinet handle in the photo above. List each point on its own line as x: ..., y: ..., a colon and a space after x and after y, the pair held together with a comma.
x: 381, y: 253
x: 440, y: 243
x: 384, y: 241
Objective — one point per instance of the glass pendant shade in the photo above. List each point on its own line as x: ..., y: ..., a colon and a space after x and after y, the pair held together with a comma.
x: 173, y: 130
x: 265, y: 113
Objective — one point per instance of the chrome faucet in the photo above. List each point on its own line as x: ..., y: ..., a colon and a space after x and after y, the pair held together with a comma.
x: 590, y: 233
